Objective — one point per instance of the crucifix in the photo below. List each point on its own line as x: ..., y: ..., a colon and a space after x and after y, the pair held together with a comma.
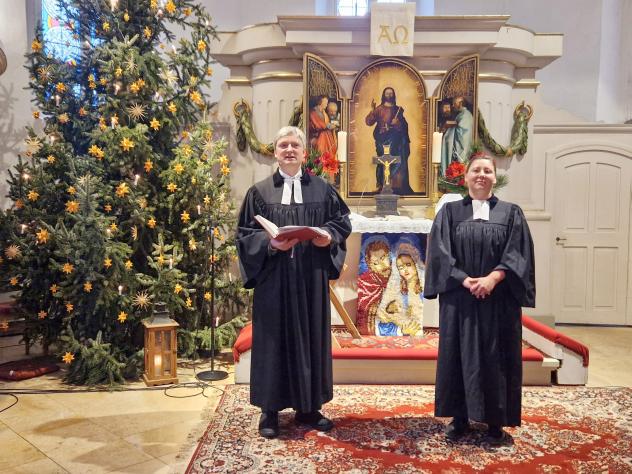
x: 385, y: 200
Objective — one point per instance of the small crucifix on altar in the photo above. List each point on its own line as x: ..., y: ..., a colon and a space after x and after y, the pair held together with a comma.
x: 385, y: 200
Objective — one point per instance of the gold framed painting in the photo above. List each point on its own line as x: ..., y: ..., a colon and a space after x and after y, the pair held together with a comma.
x: 389, y: 113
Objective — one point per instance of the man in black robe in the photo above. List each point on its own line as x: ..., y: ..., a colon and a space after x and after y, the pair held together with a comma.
x: 291, y: 346
x: 481, y: 264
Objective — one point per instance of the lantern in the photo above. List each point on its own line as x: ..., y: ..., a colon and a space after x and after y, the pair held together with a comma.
x: 161, y: 349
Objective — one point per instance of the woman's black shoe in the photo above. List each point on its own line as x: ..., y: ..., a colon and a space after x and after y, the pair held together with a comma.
x: 496, y: 436
x: 315, y: 419
x: 269, y: 424
x: 456, y: 428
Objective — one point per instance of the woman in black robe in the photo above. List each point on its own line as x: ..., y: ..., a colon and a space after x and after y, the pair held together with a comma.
x: 480, y: 262
x: 291, y: 348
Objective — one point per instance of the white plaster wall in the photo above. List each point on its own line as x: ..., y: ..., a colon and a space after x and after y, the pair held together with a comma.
x: 15, y: 106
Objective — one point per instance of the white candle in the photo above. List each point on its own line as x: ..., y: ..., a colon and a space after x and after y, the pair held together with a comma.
x: 170, y: 263
x: 342, y: 147
x: 437, y: 138
x: 158, y: 364
x: 113, y: 4
x: 57, y: 100
x: 199, y: 208
x: 113, y: 122
x: 136, y: 178
x: 120, y: 288
x: 23, y: 228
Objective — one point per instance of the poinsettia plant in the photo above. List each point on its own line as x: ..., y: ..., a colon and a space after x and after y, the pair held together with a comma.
x: 454, y: 179
x: 317, y: 164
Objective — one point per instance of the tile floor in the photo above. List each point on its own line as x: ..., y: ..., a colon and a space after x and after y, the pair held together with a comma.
x: 143, y: 431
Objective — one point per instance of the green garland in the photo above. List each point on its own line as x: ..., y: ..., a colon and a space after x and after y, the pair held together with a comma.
x: 246, y: 135
x: 519, y: 133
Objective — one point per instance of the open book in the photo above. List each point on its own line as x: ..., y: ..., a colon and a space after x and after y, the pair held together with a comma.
x: 300, y: 232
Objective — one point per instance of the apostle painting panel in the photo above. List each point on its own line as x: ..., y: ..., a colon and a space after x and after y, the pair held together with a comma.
x: 457, y: 111
x: 389, y: 115
x: 390, y: 284
x: 323, y: 106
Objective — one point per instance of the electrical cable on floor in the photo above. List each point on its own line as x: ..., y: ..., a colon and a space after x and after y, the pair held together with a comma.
x: 14, y: 403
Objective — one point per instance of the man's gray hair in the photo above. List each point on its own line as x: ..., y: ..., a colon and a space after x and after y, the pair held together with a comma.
x: 290, y: 130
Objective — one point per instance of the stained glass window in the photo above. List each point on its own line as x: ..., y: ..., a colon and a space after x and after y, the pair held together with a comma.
x: 352, y: 7
x: 58, y: 39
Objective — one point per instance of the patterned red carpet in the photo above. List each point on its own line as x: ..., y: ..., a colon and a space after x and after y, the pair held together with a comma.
x: 390, y: 429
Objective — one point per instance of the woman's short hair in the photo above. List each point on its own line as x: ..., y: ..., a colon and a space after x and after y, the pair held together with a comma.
x: 290, y: 130
x: 480, y: 156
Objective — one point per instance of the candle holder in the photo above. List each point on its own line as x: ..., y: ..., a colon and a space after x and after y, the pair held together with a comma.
x: 161, y: 348
x: 434, y: 195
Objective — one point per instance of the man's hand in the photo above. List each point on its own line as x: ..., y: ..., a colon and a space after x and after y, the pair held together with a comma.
x: 322, y: 241
x: 283, y: 245
x: 373, y: 104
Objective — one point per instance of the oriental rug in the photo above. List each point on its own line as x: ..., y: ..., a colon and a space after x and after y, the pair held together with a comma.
x: 391, y: 429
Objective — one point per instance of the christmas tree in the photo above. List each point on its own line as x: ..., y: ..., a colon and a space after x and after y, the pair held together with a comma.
x: 115, y: 201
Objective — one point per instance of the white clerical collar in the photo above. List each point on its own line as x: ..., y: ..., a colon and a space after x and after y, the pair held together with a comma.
x: 480, y: 209
x: 286, y: 198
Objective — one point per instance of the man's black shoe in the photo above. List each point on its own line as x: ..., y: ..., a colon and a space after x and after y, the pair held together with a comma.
x: 269, y: 424
x: 315, y: 419
x: 456, y: 428
x: 496, y: 436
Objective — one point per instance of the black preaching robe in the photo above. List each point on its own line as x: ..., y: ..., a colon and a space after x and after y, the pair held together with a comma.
x: 291, y: 336
x: 479, y: 370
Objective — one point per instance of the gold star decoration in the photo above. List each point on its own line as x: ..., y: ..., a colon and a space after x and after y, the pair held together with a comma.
x: 103, y: 81
x: 193, y: 80
x: 186, y: 11
x: 68, y: 358
x: 54, y: 288
x: 151, y: 223
x: 130, y: 65
x: 189, y: 303
x: 186, y: 151
x: 209, y: 71
x: 82, y: 112
x: 122, y: 316
x: 87, y: 287
x: 19, y: 204
x: 147, y: 32
x: 142, y: 202
x: 148, y: 166
x: 178, y: 168
x: 201, y: 46
x: 122, y: 189
x: 33, y: 195
x: 134, y: 88
x: 137, y: 111
x: 107, y: 262
x: 67, y: 268
x: 177, y: 289
x: 192, y: 244
x: 168, y: 76
x: 95, y: 151
x: 155, y: 124
x: 141, y: 300
x: 107, y: 208
x: 13, y: 252
x: 60, y: 87
x: 207, y: 200
x: 127, y: 144
x: 69, y: 307
x: 36, y: 46
x: 185, y: 134
x: 13, y: 281
x: 113, y: 227
x: 71, y: 190
x: 184, y: 217
x: 102, y: 124
x: 223, y: 160
x: 153, y: 4
x: 36, y: 114
x: 216, y: 232
x: 134, y: 233
x: 172, y: 108
x: 129, y: 265
x: 193, y: 180
x: 45, y: 73
x: 42, y: 236
x: 170, y: 7
x: 63, y: 118
x: 42, y: 314
x: 33, y: 145
x: 160, y: 260
x: 172, y: 188
x: 196, y: 97
x: 207, y: 296
x: 72, y: 207
x: 126, y: 18
x: 118, y: 72
x: 106, y: 26
x: 225, y: 170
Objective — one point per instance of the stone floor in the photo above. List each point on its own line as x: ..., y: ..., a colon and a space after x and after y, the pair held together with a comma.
x: 143, y: 431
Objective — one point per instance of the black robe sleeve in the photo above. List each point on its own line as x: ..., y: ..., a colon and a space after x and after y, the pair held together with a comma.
x: 518, y: 260
x: 339, y: 227
x: 252, y: 241
x: 441, y: 272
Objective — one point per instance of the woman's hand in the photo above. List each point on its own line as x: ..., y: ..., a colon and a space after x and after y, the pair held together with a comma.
x: 283, y: 245
x: 484, y: 286
x: 468, y: 282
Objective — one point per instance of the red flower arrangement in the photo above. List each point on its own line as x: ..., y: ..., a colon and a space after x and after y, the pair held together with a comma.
x: 318, y: 164
x: 454, y: 179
